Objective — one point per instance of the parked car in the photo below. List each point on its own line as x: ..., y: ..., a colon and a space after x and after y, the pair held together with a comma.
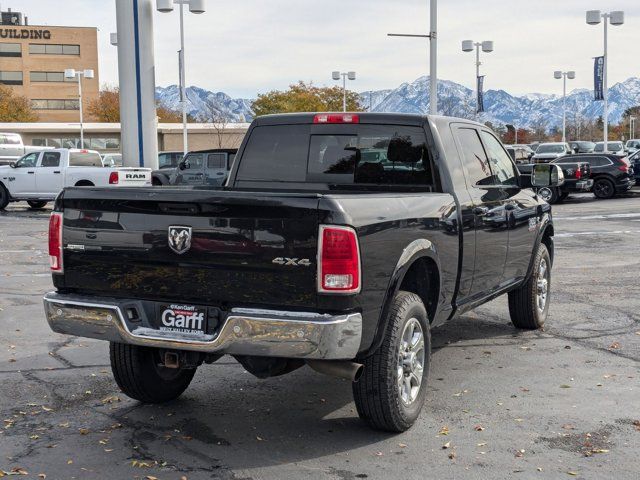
x: 582, y: 146
x: 167, y: 164
x: 321, y: 258
x: 611, y: 173
x: 204, y: 167
x: 112, y: 160
x: 634, y: 160
x: 38, y: 177
x: 520, y: 153
x: 632, y: 146
x: 576, y: 179
x: 12, y: 148
x: 550, y: 151
x: 616, y: 148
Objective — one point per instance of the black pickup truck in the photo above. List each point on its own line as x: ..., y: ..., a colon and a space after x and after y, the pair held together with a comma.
x: 577, y: 179
x: 339, y: 241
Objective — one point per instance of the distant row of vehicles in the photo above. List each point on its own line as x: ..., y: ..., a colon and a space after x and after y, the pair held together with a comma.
x: 546, y: 152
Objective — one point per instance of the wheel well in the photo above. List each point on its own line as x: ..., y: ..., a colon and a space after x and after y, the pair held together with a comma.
x: 84, y: 183
x: 423, y: 279
x: 156, y: 180
x: 547, y: 239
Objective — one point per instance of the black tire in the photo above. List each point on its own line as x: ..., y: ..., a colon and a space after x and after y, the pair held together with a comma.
x: 4, y: 197
x: 604, y: 188
x: 36, y: 204
x: 549, y: 194
x: 523, y: 302
x: 377, y: 394
x: 139, y: 375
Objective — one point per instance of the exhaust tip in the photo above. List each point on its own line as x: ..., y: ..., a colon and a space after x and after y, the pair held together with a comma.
x: 171, y: 360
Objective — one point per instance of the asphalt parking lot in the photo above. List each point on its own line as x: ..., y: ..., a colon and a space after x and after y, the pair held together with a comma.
x: 562, y: 403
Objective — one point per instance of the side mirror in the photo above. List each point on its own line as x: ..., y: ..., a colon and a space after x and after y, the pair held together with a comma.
x: 183, y: 165
x: 547, y: 175
x: 12, y: 164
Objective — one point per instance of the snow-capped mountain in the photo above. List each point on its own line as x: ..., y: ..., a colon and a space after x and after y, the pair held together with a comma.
x: 534, y: 109
x: 205, y: 105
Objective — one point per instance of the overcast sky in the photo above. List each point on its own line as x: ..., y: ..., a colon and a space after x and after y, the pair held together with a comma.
x: 245, y: 47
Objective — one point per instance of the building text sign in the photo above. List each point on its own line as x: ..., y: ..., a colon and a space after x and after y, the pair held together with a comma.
x: 25, y: 33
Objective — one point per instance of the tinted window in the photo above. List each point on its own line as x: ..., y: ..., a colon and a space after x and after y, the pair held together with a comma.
x: 164, y: 160
x: 85, y: 159
x: 216, y: 161
x: 366, y: 154
x: 550, y: 149
x: 501, y: 164
x: 475, y: 160
x: 195, y: 160
x: 50, y: 159
x: 276, y: 153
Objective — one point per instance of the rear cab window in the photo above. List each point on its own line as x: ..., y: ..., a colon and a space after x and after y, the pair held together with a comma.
x: 85, y: 159
x: 341, y: 157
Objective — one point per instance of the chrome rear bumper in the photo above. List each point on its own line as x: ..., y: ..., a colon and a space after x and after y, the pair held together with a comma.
x: 269, y: 333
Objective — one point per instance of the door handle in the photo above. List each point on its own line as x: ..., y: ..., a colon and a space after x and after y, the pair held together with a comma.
x: 219, y: 173
x: 31, y: 172
x: 56, y: 171
x: 480, y: 211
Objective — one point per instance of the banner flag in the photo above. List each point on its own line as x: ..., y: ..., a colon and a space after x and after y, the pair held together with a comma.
x: 480, y: 94
x: 598, y: 78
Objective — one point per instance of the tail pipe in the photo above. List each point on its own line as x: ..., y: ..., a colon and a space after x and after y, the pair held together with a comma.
x: 337, y: 368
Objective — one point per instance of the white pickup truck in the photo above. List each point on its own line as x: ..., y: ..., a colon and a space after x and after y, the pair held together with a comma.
x: 38, y: 177
x: 12, y: 148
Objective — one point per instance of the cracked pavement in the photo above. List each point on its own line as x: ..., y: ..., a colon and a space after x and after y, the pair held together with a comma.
x: 559, y: 403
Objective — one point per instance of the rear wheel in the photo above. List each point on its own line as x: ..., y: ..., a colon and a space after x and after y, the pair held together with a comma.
x: 603, y: 188
x: 35, y: 204
x: 548, y: 194
x: 529, y: 304
x: 4, y: 197
x: 140, y: 374
x: 392, y: 389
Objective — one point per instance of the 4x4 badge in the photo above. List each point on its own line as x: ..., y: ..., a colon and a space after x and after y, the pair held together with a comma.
x: 291, y: 261
x: 179, y: 239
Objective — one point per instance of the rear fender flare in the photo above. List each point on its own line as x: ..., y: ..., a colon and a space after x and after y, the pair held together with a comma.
x: 416, y: 250
x: 2, y: 185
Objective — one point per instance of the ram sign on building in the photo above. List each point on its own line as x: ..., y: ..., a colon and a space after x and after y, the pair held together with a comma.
x: 33, y: 60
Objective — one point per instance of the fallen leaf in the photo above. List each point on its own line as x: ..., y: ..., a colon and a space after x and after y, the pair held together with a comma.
x: 573, y: 474
x: 151, y: 477
x: 260, y: 439
x: 444, y: 431
x: 69, y: 462
x: 478, y: 428
x: 615, y: 346
x: 42, y: 476
x: 47, y: 409
x: 446, y: 445
x: 568, y: 426
x: 379, y: 454
x: 519, y: 453
x: 600, y: 450
x: 481, y: 444
x: 402, y: 445
x: 565, y: 386
x: 452, y: 455
x: 83, y: 431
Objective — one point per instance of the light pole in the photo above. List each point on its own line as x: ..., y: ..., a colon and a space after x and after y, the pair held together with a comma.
x: 594, y: 17
x: 433, y: 54
x: 195, y: 6
x: 487, y: 47
x: 78, y: 74
x: 351, y: 76
x: 564, y: 75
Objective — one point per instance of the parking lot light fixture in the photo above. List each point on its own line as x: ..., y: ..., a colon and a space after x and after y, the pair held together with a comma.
x: 469, y: 46
x: 336, y: 75
x: 594, y: 17
x: 78, y: 74
x: 564, y: 76
x: 197, y: 7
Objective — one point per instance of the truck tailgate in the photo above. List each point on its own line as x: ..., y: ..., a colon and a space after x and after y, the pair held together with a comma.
x: 117, y: 244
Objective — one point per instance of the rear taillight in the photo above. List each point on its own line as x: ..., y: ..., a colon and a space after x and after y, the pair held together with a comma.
x: 336, y: 118
x: 578, y: 173
x: 338, y: 260
x: 113, y: 178
x: 624, y: 168
x: 55, y: 242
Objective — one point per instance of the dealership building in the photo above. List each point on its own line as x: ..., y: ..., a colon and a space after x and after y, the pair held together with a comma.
x: 33, y: 59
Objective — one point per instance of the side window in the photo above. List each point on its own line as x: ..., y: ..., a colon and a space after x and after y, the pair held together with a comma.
x: 502, y: 167
x: 475, y: 160
x: 29, y: 160
x: 50, y: 159
x: 163, y: 160
x: 195, y: 161
x: 88, y: 159
x: 216, y: 161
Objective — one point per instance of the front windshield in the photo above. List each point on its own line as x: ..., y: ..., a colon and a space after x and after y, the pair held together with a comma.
x: 550, y: 149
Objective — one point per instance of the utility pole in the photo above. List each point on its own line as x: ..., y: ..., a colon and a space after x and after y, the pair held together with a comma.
x: 433, y: 55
